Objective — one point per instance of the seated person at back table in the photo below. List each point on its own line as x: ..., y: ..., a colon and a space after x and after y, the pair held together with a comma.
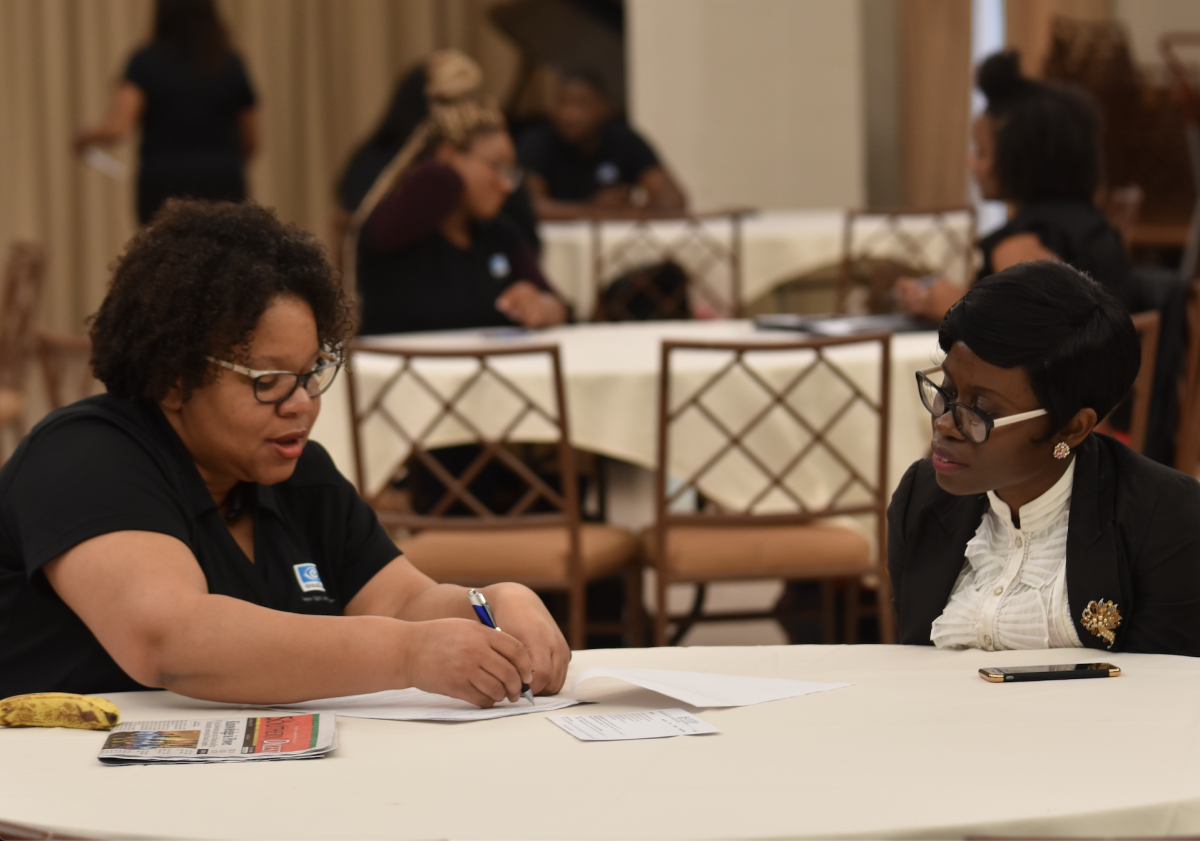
x: 181, y: 532
x: 435, y: 253
x: 586, y: 160
x: 1026, y: 528
x: 1037, y: 146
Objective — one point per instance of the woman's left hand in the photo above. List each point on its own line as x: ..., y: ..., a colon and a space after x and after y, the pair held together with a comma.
x: 530, y: 306
x: 520, y: 613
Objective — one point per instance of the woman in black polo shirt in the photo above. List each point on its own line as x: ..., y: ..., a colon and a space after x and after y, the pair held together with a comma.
x: 191, y: 95
x: 432, y: 250
x: 182, y: 532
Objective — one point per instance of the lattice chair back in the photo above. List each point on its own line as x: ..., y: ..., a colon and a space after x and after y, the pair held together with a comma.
x: 1174, y: 46
x: 22, y: 290
x: 667, y: 266
x: 430, y: 399
x: 881, y: 246
x: 65, y: 360
x: 788, y: 433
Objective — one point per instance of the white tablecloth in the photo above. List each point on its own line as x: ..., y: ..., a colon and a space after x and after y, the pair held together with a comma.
x: 918, y: 747
x: 611, y: 373
x: 777, y: 245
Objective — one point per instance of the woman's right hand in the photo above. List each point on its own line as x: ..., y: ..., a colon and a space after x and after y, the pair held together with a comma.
x: 465, y: 659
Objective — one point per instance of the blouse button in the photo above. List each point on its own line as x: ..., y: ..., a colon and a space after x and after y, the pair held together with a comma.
x: 987, y: 641
x: 1020, y: 541
x: 998, y: 590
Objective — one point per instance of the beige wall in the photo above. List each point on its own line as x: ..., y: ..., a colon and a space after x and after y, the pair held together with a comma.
x: 752, y: 102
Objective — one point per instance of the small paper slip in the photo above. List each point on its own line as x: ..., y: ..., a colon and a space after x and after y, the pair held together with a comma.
x: 98, y: 159
x: 705, y: 690
x: 416, y: 705
x: 651, y: 724
x: 221, y: 740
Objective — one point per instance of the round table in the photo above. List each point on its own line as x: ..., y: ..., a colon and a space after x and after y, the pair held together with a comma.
x: 919, y: 746
x: 777, y: 246
x: 611, y: 381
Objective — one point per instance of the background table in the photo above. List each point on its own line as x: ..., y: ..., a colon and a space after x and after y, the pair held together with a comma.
x: 919, y: 746
x: 611, y: 373
x: 777, y: 246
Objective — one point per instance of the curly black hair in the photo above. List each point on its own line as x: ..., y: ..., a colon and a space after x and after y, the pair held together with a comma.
x: 194, y: 283
x: 1047, y: 135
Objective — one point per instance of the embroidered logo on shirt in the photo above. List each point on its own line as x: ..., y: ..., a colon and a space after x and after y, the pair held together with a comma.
x: 498, y: 266
x: 607, y: 173
x: 309, y: 578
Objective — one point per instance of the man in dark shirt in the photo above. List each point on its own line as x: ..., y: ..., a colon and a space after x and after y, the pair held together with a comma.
x: 586, y: 160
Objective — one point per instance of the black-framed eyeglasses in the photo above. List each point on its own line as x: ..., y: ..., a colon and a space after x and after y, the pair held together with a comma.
x: 974, y: 425
x: 277, y: 386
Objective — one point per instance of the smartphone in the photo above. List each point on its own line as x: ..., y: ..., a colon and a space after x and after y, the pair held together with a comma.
x: 1067, y: 671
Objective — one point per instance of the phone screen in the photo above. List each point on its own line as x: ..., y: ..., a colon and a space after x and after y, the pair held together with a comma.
x: 1065, y: 667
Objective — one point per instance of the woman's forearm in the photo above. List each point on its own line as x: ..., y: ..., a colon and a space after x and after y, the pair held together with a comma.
x: 223, y: 649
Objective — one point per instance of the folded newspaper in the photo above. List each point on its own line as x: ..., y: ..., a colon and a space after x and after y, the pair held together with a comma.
x: 308, y: 736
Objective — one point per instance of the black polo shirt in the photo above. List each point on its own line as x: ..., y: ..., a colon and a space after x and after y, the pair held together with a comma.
x: 621, y: 158
x: 435, y: 285
x: 107, y: 464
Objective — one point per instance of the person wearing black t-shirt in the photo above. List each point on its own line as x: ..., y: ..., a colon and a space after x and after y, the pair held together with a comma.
x: 182, y: 532
x: 193, y: 98
x: 435, y: 253
x: 586, y: 160
x: 1037, y: 146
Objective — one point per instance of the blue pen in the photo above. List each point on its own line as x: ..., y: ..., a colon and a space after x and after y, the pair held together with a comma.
x: 484, y: 611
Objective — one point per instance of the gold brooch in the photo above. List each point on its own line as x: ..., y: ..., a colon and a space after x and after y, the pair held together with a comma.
x: 1102, y: 618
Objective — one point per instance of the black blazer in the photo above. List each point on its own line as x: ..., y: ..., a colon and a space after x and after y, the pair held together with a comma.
x: 1133, y: 538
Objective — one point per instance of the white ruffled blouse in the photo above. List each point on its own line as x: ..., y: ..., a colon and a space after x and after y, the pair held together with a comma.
x: 1012, y: 591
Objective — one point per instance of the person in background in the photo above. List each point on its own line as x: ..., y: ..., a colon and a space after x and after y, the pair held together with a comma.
x: 433, y: 251
x: 408, y: 109
x: 181, y: 531
x: 587, y: 160
x: 1036, y: 146
x: 1026, y: 528
x: 191, y: 95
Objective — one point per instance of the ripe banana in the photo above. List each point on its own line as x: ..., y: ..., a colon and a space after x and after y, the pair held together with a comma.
x: 59, y: 709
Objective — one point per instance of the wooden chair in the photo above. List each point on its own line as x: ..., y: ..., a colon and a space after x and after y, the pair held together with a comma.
x: 778, y: 533
x: 65, y: 360
x: 1187, y: 436
x: 539, y: 540
x: 22, y: 289
x: 633, y: 249
x: 1188, y: 92
x: 888, y: 244
x: 1147, y: 325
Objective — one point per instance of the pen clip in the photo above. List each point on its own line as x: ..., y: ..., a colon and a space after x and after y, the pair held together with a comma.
x: 482, y: 609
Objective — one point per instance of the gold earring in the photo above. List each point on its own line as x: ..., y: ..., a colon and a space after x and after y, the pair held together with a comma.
x: 1061, y: 450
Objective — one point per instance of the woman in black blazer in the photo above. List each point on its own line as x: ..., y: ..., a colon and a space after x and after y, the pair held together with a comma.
x: 1036, y: 355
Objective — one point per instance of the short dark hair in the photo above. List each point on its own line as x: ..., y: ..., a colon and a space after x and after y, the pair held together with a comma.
x: 1075, y: 340
x: 194, y: 283
x: 1047, y: 145
x: 193, y: 26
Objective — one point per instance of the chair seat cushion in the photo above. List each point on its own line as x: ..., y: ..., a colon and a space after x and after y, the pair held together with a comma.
x: 531, y: 554
x: 732, y: 552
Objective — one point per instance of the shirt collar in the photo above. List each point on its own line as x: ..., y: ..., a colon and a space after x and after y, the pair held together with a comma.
x: 1041, y: 512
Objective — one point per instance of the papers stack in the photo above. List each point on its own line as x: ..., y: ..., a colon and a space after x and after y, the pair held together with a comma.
x: 221, y: 740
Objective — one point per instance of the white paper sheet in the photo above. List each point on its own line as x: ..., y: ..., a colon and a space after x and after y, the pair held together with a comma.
x: 705, y: 690
x: 415, y: 705
x: 650, y: 724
